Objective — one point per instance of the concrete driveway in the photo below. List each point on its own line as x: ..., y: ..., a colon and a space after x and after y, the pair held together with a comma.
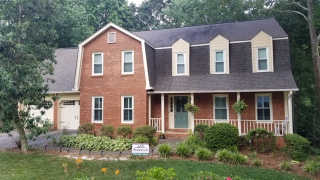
x: 7, y: 142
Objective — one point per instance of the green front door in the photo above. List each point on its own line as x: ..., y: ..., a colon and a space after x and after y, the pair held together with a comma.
x: 180, y: 115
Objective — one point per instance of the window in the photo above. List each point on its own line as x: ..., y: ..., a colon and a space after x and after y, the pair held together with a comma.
x: 97, y: 109
x: 97, y: 64
x: 127, y: 109
x: 262, y: 59
x: 220, y: 61
x: 221, y: 107
x: 69, y: 103
x: 127, y: 62
x: 263, y: 105
x: 112, y: 37
x: 181, y: 64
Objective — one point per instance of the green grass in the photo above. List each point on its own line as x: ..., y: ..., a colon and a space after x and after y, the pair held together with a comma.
x: 40, y: 166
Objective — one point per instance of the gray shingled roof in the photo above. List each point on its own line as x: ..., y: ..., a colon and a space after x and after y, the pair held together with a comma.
x: 236, y: 31
x: 227, y: 82
x: 64, y: 70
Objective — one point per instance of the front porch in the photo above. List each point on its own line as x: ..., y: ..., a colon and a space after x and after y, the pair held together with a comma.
x: 276, y: 116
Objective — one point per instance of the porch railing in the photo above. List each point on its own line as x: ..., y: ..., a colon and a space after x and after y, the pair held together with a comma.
x: 156, y: 122
x: 278, y: 127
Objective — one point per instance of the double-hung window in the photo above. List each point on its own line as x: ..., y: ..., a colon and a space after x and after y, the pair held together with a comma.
x: 220, y: 107
x: 263, y: 105
x: 262, y: 59
x: 219, y: 62
x: 97, y: 109
x: 97, y: 64
x: 127, y: 62
x: 127, y: 109
x: 181, y: 64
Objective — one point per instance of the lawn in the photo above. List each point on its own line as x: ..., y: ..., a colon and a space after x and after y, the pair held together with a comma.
x: 41, y: 166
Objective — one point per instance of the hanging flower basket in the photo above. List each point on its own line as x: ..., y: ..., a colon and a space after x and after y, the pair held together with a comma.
x: 239, y: 106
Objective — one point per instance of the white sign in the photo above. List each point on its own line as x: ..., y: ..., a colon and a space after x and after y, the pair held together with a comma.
x: 140, y: 149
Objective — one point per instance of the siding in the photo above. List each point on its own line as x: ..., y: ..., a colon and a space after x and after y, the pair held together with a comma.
x: 261, y: 40
x: 219, y: 43
x: 181, y: 46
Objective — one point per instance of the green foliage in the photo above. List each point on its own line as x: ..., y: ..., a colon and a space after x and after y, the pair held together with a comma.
x: 141, y: 139
x: 193, y: 141
x: 191, y: 108
x: 86, y: 128
x: 253, y: 155
x: 257, y: 162
x: 164, y: 150
x: 124, y: 131
x: 157, y: 173
x: 285, y: 165
x: 262, y: 140
x: 312, y: 166
x: 238, y: 158
x: 203, y: 154
x: 200, y: 129
x: 153, y: 141
x: 87, y: 141
x: 226, y: 155
x: 209, y: 175
x: 239, y: 106
x: 107, y: 130
x: 220, y: 136
x: 183, y: 150
x: 297, y: 147
x: 147, y: 131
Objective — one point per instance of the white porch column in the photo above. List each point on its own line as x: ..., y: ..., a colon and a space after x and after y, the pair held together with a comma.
x: 149, y: 97
x: 239, y: 115
x: 192, y: 114
x: 162, y: 112
x: 290, y: 112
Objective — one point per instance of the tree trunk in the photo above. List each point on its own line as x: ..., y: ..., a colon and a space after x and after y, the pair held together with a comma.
x: 22, y: 135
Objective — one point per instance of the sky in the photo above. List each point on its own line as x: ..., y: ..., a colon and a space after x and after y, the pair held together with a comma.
x: 135, y: 1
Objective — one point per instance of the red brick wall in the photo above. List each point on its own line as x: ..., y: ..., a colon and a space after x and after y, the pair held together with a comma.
x: 112, y: 84
x: 55, y: 114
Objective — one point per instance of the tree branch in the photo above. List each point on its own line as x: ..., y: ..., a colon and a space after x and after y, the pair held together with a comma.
x: 297, y: 12
x: 302, y: 7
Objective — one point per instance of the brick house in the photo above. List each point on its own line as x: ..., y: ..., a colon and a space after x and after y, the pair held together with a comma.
x: 141, y: 78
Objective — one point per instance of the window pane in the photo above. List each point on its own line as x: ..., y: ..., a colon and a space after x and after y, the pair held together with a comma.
x: 97, y: 68
x: 260, y: 101
x: 219, y: 66
x: 98, y: 59
x: 220, y: 102
x: 125, y: 102
x: 266, y: 101
x: 262, y: 53
x: 98, y: 115
x: 127, y: 67
x: 180, y: 69
x: 219, y: 56
x: 128, y: 57
x: 180, y: 59
x: 263, y: 114
x: 127, y: 115
x: 263, y: 64
x: 98, y: 103
x: 220, y: 114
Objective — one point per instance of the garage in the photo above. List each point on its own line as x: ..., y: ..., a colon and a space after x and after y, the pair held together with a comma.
x: 70, y: 114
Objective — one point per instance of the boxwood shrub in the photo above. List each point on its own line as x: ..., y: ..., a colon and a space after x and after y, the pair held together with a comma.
x: 147, y: 131
x: 124, y: 131
x: 200, y: 129
x: 221, y: 136
x: 262, y: 140
x: 86, y: 128
x: 297, y: 147
x: 107, y: 130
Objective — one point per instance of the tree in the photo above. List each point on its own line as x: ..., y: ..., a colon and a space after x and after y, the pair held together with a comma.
x: 27, y: 48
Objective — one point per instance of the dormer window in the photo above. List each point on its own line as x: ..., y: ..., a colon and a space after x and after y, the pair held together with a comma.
x: 219, y: 55
x: 181, y: 64
x: 262, y: 59
x: 111, y: 37
x: 219, y: 61
x: 262, y: 53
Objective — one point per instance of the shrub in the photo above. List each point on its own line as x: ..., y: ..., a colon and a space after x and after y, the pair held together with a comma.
x: 124, y: 131
x: 153, y: 141
x: 224, y: 155
x: 203, y: 154
x: 147, y: 131
x: 157, y: 173
x: 297, y: 147
x: 221, y: 136
x: 200, y: 129
x: 141, y: 139
x: 193, y: 141
x: 210, y: 175
x: 262, y: 140
x: 238, y: 158
x: 253, y: 155
x: 285, y: 165
x: 312, y: 167
x: 257, y: 162
x: 164, y: 150
x: 107, y: 130
x: 183, y: 150
x: 86, y: 128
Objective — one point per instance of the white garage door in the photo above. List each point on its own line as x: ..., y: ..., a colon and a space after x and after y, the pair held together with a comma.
x: 48, y: 115
x: 70, y: 112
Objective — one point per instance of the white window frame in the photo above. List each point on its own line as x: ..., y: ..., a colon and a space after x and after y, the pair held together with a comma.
x: 184, y: 63
x: 115, y: 38
x: 214, y: 106
x: 97, y: 74
x: 268, y: 59
x: 93, y: 108
x: 215, y: 61
x: 270, y: 105
x: 122, y: 71
x: 122, y: 110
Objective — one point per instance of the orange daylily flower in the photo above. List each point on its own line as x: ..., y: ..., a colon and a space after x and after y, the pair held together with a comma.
x: 103, y: 169
x: 117, y: 172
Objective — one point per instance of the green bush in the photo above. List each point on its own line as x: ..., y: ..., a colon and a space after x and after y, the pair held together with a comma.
x: 153, y: 141
x: 156, y: 173
x: 203, y: 154
x: 285, y: 165
x: 226, y: 155
x: 209, y: 175
x: 86, y: 128
x: 107, y: 130
x: 312, y: 167
x: 238, y: 158
x: 164, y: 150
x: 297, y: 147
x: 183, y: 150
x: 221, y: 136
x: 141, y: 139
x: 200, y: 129
x: 193, y: 141
x: 147, y: 131
x: 253, y: 155
x: 262, y: 140
x: 257, y: 162
x: 124, y: 131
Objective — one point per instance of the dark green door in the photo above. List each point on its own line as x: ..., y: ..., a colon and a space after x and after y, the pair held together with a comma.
x: 180, y: 115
